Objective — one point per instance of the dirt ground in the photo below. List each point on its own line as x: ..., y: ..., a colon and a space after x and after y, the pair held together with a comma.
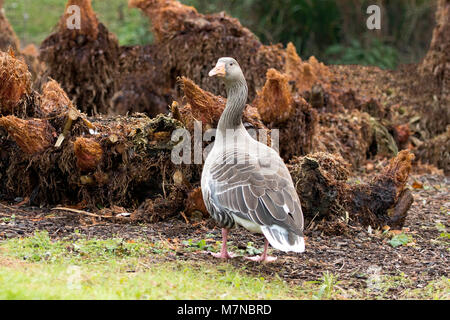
x: 355, y: 257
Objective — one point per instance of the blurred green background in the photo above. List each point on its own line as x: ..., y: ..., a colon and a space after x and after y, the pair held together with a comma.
x: 333, y: 30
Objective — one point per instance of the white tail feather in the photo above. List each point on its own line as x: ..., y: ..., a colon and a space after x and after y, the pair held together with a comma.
x: 279, y: 239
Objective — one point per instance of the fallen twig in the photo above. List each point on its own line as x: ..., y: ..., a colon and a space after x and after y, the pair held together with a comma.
x: 184, y: 217
x: 81, y: 212
x: 12, y: 208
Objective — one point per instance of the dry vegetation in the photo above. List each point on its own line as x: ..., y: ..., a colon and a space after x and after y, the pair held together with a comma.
x: 332, y: 121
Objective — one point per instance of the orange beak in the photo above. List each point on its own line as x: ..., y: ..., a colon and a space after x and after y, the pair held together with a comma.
x: 218, y: 70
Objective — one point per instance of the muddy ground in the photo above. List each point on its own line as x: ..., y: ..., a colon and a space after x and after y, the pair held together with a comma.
x: 357, y: 257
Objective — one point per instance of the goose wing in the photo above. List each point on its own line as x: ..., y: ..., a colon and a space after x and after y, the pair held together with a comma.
x: 258, y: 189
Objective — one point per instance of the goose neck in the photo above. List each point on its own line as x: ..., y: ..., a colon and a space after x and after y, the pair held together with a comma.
x: 231, y: 117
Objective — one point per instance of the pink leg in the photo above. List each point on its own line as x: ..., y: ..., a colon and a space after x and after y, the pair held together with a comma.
x: 263, y: 257
x: 224, y: 254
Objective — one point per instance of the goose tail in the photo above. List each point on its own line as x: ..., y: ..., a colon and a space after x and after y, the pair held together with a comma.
x: 283, y: 240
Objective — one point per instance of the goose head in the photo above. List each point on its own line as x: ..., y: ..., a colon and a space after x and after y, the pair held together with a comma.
x: 227, y: 69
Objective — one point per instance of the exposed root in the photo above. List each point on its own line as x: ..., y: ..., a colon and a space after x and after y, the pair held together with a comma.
x: 32, y: 136
x: 84, y: 61
x: 436, y: 151
x: 15, y: 80
x: 384, y: 201
x: 205, y: 107
x: 8, y: 38
x: 274, y: 102
x: 295, y: 119
x: 305, y: 74
x: 214, y: 35
x: 325, y: 195
x: 88, y: 20
x: 88, y: 152
x: 437, y: 60
x: 54, y: 100
x: 194, y: 205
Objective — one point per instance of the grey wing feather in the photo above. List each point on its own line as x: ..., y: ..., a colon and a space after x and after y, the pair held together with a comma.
x: 257, y: 192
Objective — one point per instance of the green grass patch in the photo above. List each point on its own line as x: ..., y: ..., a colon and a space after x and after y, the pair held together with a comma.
x: 113, y: 280
x: 39, y: 268
x: 435, y: 290
x: 79, y: 268
x: 41, y: 248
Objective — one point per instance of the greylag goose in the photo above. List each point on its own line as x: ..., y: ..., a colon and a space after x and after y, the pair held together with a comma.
x: 245, y: 182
